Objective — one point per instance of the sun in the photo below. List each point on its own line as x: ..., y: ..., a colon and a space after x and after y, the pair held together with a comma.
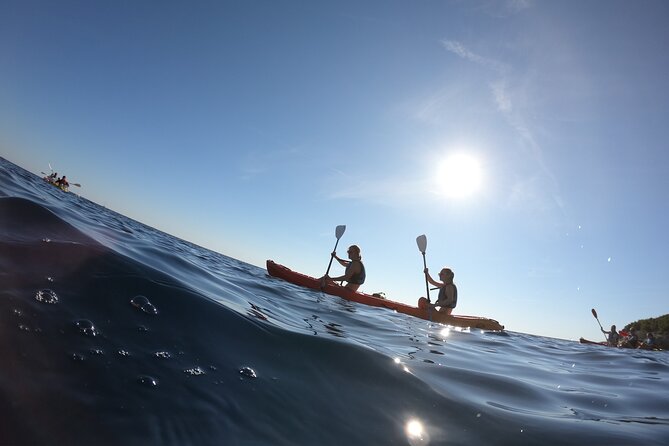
x: 459, y: 175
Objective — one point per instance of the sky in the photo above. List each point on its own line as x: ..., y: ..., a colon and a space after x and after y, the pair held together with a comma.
x: 526, y: 139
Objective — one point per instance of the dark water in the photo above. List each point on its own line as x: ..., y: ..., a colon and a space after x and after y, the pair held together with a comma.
x: 112, y: 332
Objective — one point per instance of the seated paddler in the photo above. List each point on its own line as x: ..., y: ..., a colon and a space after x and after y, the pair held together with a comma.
x: 354, y: 275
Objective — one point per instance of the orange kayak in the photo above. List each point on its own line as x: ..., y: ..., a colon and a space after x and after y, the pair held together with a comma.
x: 587, y: 341
x: 422, y: 312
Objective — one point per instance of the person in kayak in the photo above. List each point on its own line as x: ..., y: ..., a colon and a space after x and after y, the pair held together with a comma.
x: 62, y: 182
x: 612, y: 336
x: 448, y: 292
x: 649, y: 343
x: 354, y: 275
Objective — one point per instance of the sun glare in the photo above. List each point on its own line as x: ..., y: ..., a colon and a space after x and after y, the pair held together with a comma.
x: 459, y: 176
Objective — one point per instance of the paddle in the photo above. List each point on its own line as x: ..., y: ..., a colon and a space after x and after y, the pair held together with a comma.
x: 421, y: 241
x: 594, y: 313
x: 339, y: 231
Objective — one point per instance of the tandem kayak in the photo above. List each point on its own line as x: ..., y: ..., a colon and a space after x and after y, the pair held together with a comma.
x: 282, y: 272
x: 634, y: 346
x: 53, y: 183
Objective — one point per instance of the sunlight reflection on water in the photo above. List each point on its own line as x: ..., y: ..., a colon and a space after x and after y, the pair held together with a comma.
x: 416, y: 433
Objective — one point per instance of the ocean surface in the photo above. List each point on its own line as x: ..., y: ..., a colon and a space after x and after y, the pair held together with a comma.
x: 114, y: 333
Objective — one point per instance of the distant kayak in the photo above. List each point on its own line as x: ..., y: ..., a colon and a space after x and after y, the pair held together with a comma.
x: 636, y: 345
x: 587, y: 341
x: 282, y: 272
x: 59, y: 186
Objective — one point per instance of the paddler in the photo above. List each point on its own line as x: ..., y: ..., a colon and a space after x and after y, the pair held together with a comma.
x: 354, y: 276
x: 612, y: 336
x: 448, y: 292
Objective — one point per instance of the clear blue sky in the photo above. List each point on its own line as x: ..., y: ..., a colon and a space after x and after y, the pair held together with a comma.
x: 253, y: 128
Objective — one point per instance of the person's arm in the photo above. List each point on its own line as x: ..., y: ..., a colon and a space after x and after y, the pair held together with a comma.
x: 342, y: 262
x: 355, y: 269
x: 431, y: 280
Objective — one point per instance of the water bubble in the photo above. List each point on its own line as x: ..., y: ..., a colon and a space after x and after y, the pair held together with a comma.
x: 123, y: 353
x: 148, y: 381
x: 248, y: 372
x: 46, y: 240
x: 195, y: 371
x: 142, y: 303
x: 149, y: 308
x: 86, y: 327
x: 97, y: 351
x: 77, y: 357
x: 46, y: 296
x: 139, y: 301
x: 163, y: 355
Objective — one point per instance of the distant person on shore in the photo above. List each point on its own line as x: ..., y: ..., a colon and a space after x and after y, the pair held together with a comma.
x: 354, y: 275
x: 612, y: 336
x: 448, y: 292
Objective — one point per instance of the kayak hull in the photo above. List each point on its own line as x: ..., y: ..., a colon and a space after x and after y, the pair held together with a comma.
x: 282, y: 272
x: 53, y: 183
x: 587, y: 341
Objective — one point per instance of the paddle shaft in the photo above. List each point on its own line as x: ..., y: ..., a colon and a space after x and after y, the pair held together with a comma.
x: 427, y: 284
x: 594, y: 313
x: 332, y: 257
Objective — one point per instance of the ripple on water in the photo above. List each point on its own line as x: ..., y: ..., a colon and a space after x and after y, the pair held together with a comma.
x: 195, y: 371
x: 46, y: 296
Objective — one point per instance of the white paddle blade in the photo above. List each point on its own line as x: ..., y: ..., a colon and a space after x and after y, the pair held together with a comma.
x: 339, y: 231
x: 421, y: 241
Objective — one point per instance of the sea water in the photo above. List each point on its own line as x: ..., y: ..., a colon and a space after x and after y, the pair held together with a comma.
x: 112, y: 332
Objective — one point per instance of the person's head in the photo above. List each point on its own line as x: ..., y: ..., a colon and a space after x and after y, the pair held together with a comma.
x: 446, y: 275
x: 613, y: 328
x: 354, y: 252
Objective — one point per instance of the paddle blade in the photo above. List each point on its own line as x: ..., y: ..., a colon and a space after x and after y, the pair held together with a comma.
x: 421, y: 241
x: 339, y: 231
x: 594, y: 313
x: 76, y: 184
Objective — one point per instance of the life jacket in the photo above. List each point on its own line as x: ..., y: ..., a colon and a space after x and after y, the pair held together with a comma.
x: 444, y: 300
x: 358, y: 278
